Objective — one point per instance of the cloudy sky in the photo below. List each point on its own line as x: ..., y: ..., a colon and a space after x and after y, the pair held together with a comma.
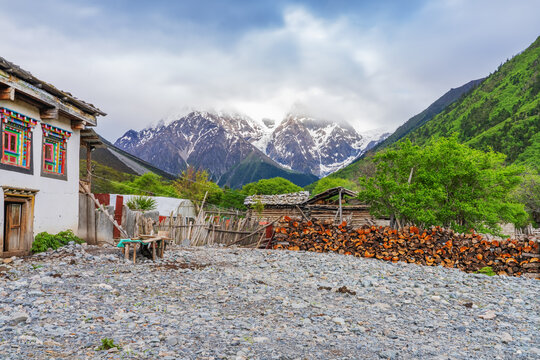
x: 371, y: 63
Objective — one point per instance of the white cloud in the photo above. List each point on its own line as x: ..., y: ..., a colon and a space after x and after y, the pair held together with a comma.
x: 373, y: 77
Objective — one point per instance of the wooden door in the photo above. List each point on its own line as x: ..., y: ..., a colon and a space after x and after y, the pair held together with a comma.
x: 13, y: 227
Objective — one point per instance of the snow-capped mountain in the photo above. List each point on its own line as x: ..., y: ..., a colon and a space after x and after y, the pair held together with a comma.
x: 317, y: 146
x: 218, y: 141
x: 215, y: 142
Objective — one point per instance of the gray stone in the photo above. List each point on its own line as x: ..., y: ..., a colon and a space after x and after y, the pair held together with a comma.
x: 506, y: 337
x: 172, y: 340
x: 17, y: 318
x: 227, y: 301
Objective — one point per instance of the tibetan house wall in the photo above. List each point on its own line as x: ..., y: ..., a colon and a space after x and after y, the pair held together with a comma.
x: 56, y: 203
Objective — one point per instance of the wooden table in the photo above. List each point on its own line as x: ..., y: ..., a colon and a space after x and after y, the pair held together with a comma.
x: 157, y: 243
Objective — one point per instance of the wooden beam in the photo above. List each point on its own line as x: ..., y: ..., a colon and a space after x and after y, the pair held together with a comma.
x: 7, y: 93
x: 46, y: 99
x: 89, y: 166
x: 49, y: 114
x: 78, y: 124
x: 340, y: 208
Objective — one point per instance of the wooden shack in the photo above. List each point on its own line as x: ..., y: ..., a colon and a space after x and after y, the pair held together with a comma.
x: 339, y: 204
x: 276, y: 206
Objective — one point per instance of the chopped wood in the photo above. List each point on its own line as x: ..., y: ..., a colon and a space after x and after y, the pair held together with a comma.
x: 436, y: 246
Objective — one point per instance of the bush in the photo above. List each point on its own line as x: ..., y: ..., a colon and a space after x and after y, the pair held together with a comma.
x: 487, y: 270
x: 107, y: 344
x: 44, y: 241
x: 329, y: 183
x: 273, y: 186
x: 143, y: 203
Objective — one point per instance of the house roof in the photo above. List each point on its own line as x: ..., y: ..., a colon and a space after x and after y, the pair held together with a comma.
x: 89, y: 137
x: 23, y: 82
x: 330, y: 193
x: 290, y: 199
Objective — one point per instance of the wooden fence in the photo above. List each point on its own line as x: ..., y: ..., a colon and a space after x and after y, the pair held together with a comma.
x: 211, y: 228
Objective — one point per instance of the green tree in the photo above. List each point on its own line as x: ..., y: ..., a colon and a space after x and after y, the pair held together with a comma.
x: 528, y: 193
x: 258, y: 207
x: 277, y: 185
x: 233, y: 199
x: 445, y: 183
x: 194, y: 184
x: 329, y: 183
x: 148, y: 184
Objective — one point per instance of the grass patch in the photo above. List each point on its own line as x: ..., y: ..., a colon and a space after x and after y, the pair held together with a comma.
x: 107, y: 344
x: 487, y: 270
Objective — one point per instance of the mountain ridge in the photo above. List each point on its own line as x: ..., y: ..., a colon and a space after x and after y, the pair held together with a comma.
x: 500, y: 112
x: 219, y: 142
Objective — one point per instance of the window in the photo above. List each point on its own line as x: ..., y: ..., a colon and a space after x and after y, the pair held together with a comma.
x: 54, y: 151
x: 16, y: 140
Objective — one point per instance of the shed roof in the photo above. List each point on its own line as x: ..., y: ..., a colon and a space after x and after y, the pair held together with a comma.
x: 290, y: 199
x: 330, y: 193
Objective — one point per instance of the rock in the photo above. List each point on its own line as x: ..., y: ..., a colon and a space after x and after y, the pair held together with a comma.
x: 488, y: 315
x: 436, y: 298
x: 299, y: 305
x: 259, y: 339
x: 235, y: 307
x: 388, y: 354
x: 8, y: 260
x: 382, y: 306
x: 506, y: 337
x: 104, y: 287
x: 17, y: 318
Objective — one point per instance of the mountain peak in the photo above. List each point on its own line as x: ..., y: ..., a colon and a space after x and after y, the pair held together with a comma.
x: 207, y: 138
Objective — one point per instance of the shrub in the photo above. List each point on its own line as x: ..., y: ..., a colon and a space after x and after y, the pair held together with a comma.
x: 143, y: 203
x: 487, y: 270
x: 107, y: 344
x: 44, y: 241
x: 258, y: 207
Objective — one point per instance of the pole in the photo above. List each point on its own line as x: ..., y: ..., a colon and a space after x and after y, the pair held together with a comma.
x: 340, y: 209
x: 89, y: 165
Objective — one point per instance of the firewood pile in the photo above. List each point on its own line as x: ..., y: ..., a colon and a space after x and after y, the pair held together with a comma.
x: 432, y: 247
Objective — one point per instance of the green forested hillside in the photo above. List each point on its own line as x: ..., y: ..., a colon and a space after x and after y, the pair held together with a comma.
x: 437, y: 107
x: 502, y: 113
x: 255, y: 167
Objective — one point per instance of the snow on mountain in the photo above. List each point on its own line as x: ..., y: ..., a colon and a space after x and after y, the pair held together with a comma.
x: 317, y: 146
x: 216, y: 141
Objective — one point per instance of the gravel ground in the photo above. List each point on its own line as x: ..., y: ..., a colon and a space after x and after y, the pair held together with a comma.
x: 215, y: 303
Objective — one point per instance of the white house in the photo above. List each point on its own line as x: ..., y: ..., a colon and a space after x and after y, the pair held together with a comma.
x: 165, y: 205
x: 40, y: 134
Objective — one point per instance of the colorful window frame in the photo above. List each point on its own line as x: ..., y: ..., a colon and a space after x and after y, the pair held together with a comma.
x: 16, y: 141
x: 54, y: 159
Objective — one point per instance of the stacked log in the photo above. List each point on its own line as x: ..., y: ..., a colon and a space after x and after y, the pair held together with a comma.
x: 432, y: 247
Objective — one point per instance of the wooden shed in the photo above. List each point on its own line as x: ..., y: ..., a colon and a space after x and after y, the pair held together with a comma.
x: 339, y: 204
x: 336, y: 204
x: 276, y: 206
